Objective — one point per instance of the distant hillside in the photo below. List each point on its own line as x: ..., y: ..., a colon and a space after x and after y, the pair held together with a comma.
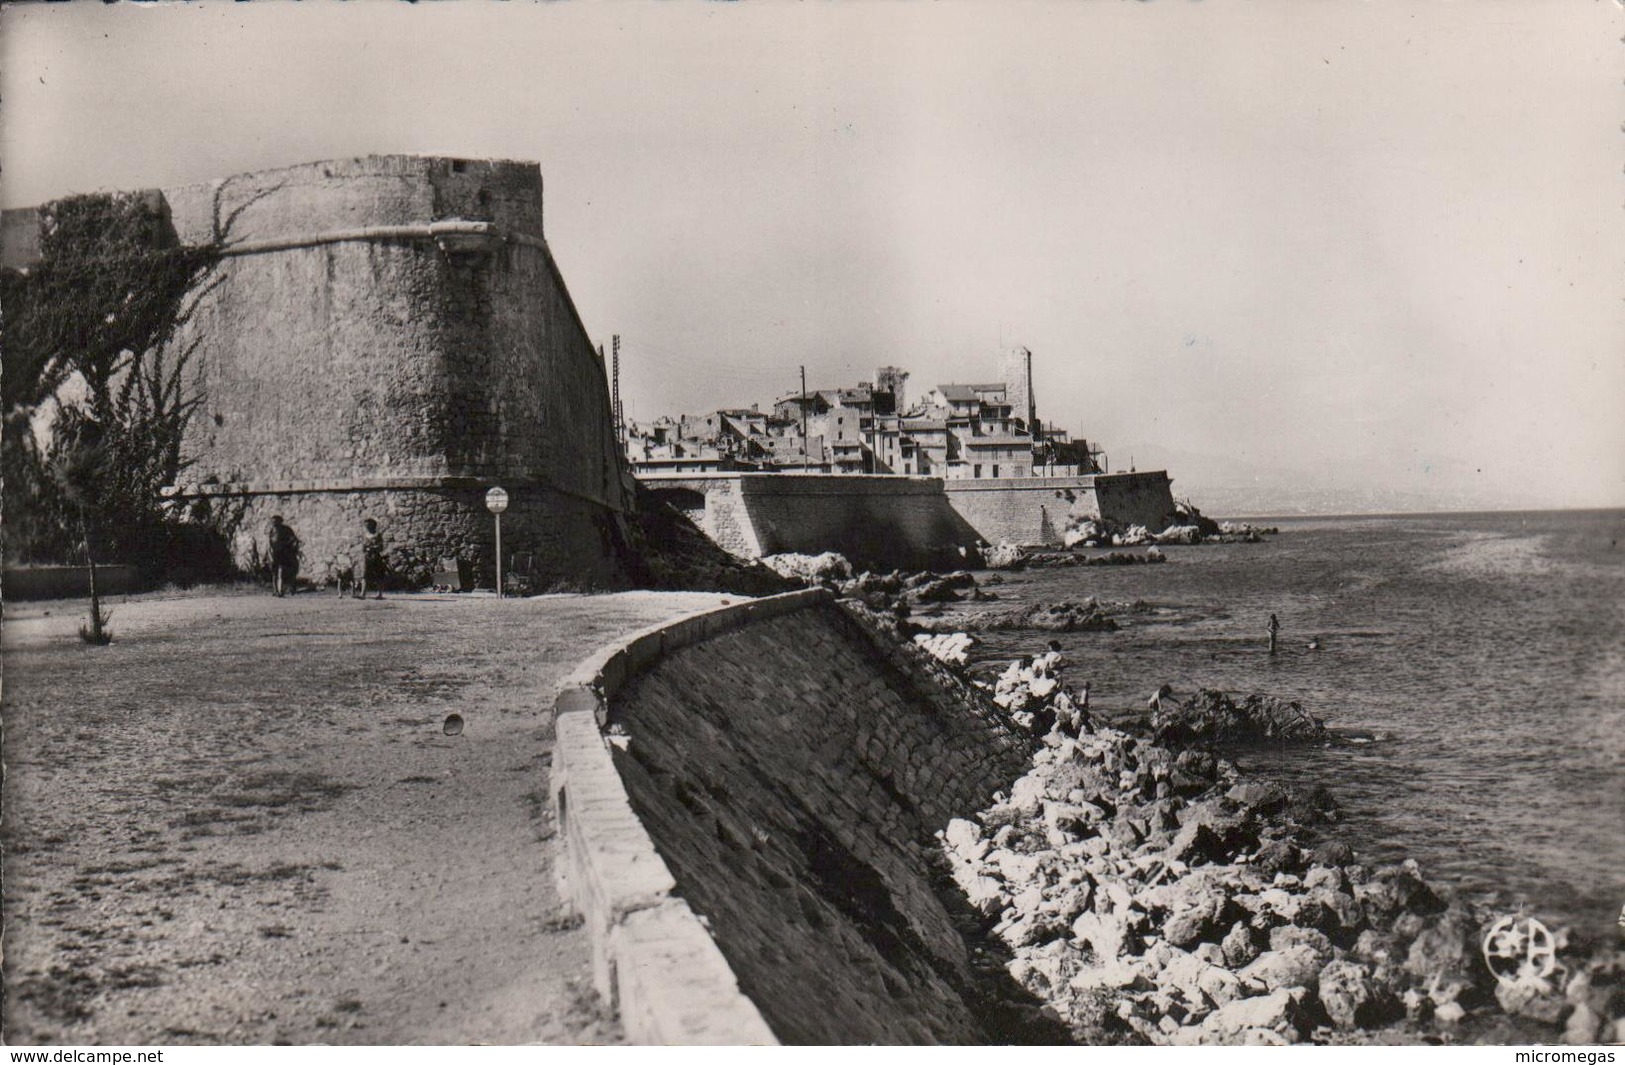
x: 1225, y: 487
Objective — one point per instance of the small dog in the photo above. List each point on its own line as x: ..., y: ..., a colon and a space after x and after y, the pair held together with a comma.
x: 341, y: 572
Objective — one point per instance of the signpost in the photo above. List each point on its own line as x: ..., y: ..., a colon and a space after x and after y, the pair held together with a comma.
x: 496, y: 501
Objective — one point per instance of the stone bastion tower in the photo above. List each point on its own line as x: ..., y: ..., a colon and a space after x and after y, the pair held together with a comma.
x: 389, y: 337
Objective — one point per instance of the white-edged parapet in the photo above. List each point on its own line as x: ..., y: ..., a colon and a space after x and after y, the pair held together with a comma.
x: 653, y: 959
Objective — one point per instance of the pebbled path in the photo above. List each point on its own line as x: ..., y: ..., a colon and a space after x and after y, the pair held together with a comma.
x: 244, y: 823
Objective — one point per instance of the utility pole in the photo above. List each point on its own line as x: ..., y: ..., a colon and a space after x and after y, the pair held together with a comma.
x: 803, y: 405
x: 603, y: 361
x: 615, y: 391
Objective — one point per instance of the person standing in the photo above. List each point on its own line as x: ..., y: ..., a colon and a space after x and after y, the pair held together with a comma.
x: 284, y: 552
x: 372, y: 560
x: 1275, y: 631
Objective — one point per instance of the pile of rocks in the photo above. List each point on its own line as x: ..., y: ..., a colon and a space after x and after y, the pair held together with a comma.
x: 1148, y: 892
x: 1100, y: 534
x: 1133, y: 536
x: 1115, y: 558
x: 1186, y: 525
x: 1004, y: 555
x: 1232, y: 532
x: 1014, y: 557
x: 832, y: 570
x: 1089, y: 615
x: 1179, y: 534
x: 1217, y: 717
x: 878, y: 590
x: 948, y: 588
x: 1030, y: 690
x: 812, y: 569
x: 950, y: 647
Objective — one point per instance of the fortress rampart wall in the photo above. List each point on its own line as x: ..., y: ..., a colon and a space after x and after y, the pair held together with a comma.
x: 1038, y: 510
x: 387, y: 337
x: 908, y: 522
x: 879, y: 522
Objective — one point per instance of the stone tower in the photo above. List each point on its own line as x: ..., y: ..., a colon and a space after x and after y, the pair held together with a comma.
x: 1017, y: 364
x: 891, y: 379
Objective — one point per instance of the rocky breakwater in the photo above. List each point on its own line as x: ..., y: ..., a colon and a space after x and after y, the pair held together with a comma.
x: 918, y: 597
x: 1150, y: 893
x: 892, y: 591
x: 1218, y: 717
x: 1087, y: 615
x: 1055, y: 559
x: 1187, y: 526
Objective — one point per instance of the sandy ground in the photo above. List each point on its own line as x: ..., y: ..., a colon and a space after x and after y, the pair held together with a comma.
x: 243, y: 822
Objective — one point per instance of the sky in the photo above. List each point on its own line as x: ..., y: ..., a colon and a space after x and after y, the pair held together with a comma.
x: 1310, y: 255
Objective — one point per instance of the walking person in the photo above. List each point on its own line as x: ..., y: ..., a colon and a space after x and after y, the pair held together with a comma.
x: 1275, y: 631
x: 372, y: 561
x: 284, y: 552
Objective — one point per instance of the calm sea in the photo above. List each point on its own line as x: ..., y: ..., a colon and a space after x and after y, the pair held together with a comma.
x: 1486, y: 650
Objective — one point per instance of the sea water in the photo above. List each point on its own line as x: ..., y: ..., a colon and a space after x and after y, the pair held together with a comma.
x: 1486, y: 652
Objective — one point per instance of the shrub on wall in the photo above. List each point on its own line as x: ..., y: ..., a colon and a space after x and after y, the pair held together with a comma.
x: 97, y: 389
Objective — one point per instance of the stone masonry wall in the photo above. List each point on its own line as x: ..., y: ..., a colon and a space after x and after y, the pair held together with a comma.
x: 792, y: 773
x: 876, y: 522
x: 727, y: 518
x: 1037, y: 510
x: 1136, y: 498
x: 570, y: 541
x: 910, y: 522
x: 389, y: 336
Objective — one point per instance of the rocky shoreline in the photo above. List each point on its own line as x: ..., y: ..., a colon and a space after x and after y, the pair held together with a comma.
x: 1188, y: 526
x: 1149, y: 893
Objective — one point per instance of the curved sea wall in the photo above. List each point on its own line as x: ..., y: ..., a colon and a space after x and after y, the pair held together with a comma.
x: 792, y: 768
x: 751, y: 799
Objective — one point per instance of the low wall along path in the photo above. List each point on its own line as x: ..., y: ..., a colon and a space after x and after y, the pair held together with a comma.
x: 792, y: 769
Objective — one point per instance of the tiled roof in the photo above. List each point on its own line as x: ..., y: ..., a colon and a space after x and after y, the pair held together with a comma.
x: 966, y: 393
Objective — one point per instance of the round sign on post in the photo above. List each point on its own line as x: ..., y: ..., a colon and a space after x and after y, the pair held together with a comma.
x: 496, y: 501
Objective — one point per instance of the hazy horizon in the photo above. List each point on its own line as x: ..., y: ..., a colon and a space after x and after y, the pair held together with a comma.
x: 1296, y: 253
